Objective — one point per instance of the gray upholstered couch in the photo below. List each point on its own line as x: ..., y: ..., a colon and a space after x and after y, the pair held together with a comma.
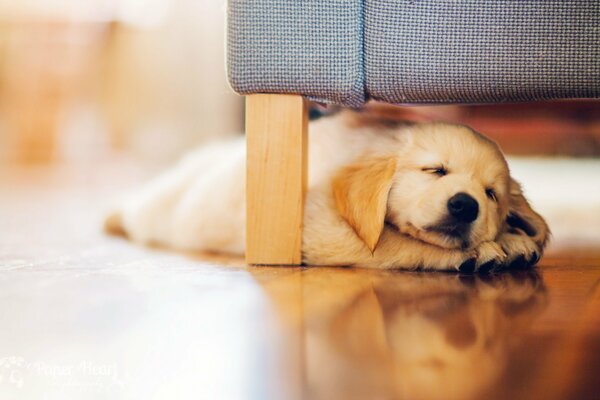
x: 416, y: 51
x: 398, y: 51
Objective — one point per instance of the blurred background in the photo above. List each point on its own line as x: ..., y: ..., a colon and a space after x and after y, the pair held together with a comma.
x: 90, y: 82
x: 79, y: 79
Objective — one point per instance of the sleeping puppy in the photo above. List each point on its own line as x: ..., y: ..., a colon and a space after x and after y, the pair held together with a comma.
x: 380, y: 195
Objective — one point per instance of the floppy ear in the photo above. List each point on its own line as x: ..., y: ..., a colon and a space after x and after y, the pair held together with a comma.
x: 521, y: 216
x: 360, y: 192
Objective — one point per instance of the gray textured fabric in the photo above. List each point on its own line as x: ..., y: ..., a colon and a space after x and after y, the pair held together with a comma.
x: 474, y: 51
x: 310, y: 47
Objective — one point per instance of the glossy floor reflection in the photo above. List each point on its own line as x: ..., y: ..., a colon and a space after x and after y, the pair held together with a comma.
x: 86, y: 316
x: 429, y: 335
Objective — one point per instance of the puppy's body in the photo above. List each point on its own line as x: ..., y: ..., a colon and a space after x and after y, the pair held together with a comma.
x: 372, y: 200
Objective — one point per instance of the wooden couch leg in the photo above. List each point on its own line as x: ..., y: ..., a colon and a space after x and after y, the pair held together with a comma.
x: 276, y: 174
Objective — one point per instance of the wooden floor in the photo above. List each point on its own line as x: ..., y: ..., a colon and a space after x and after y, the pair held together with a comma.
x: 86, y: 316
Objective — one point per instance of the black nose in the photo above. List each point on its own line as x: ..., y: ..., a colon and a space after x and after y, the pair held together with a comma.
x: 463, y: 207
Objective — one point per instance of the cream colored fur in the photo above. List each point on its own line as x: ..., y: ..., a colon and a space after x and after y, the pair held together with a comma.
x: 372, y: 198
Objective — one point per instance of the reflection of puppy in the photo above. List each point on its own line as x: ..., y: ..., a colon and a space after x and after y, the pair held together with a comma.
x: 432, y: 196
x: 418, y: 336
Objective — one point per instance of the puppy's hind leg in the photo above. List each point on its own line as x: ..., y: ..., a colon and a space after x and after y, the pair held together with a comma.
x: 145, y: 215
x: 113, y: 224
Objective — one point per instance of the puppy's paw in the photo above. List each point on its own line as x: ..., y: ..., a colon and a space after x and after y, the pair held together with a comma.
x: 521, y: 250
x: 113, y: 224
x: 489, y: 256
x: 462, y: 261
x: 483, y: 258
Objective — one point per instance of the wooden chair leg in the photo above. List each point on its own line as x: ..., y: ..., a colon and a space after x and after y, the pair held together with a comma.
x: 277, y: 147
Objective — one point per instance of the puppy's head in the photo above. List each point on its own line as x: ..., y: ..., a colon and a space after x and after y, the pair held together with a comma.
x: 444, y: 184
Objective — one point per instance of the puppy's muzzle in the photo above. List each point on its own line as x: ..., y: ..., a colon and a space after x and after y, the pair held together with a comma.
x: 463, y: 208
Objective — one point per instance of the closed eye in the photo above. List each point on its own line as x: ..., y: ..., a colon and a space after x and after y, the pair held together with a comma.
x: 439, y: 171
x: 491, y: 194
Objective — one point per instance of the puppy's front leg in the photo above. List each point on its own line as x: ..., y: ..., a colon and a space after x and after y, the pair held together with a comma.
x: 398, y: 251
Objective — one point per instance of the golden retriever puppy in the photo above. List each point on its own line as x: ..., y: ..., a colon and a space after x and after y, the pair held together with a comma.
x: 422, y: 196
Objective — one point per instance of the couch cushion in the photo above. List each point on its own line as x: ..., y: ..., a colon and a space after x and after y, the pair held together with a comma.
x: 477, y: 51
x: 309, y: 47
